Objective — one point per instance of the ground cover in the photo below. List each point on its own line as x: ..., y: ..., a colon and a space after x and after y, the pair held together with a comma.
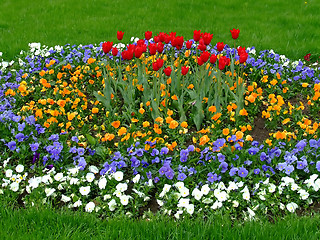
x: 289, y: 30
x: 162, y: 125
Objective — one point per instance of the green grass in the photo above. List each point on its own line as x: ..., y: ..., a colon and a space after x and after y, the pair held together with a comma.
x: 288, y: 27
x: 52, y: 224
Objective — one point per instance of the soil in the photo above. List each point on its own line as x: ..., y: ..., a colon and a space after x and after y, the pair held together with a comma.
x: 259, y: 131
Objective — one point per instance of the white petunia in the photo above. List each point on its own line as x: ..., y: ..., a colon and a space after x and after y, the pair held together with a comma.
x: 235, y: 203
x: 74, y: 171
x: 73, y: 181
x: 205, y: 189
x: 216, y: 205
x: 292, y: 207
x: 112, y: 205
x: 90, y: 177
x: 9, y: 173
x: 84, y: 191
x: 102, y: 183
x: 19, y: 168
x: 93, y: 169
x: 90, y: 207
x: 124, y: 199
x: 197, y: 194
x: 14, y: 186
x: 77, y: 203
x: 49, y: 191
x: 122, y: 187
x: 65, y: 198
x: 118, y: 176
x: 136, y: 178
x: 118, y: 193
x: 272, y: 188
x: 34, y: 182
x: 179, y: 185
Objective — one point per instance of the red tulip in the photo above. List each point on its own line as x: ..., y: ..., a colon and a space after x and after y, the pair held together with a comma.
x: 207, y: 37
x: 167, y: 38
x: 235, y: 33
x: 157, y: 65
x: 138, y: 52
x: 156, y: 39
x: 196, y: 35
x: 220, y: 46
x: 205, y: 56
x: 200, y: 62
x: 106, y: 46
x: 148, y: 35
x: 160, y: 47
x: 115, y: 51
x: 243, y: 57
x: 188, y: 44
x: 184, y: 70
x: 153, y: 48
x: 120, y: 35
x: 241, y: 50
x: 162, y: 36
x: 213, y: 58
x: 223, y: 62
x: 307, y: 57
x: 201, y: 45
x: 167, y: 71
x: 177, y: 42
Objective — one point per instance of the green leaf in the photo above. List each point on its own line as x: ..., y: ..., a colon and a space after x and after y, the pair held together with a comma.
x: 91, y: 139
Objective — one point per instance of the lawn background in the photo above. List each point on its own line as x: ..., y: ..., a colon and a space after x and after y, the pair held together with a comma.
x: 290, y: 27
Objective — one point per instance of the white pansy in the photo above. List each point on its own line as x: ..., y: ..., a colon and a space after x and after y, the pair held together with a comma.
x: 240, y: 184
x: 93, y: 169
x: 14, y: 186
x: 136, y: 178
x: 197, y: 194
x: 49, y: 191
x: 35, y: 45
x: 112, y: 205
x: 118, y: 176
x: 166, y: 188
x: 207, y: 200
x: 19, y: 168
x: 140, y: 194
x: 102, y: 183
x: 221, y: 186
x: 294, y: 187
x: 124, y: 199
x: 216, y: 205
x: 184, y: 192
x: 84, y: 191
x: 232, y: 186
x: 176, y: 195
x: 246, y: 196
x: 74, y: 171
x: 179, y: 185
x: 65, y: 198
x: 58, y: 177
x: 90, y: 177
x: 287, y: 180
x: 73, y: 181
x: 60, y: 186
x: 183, y: 202
x: 292, y: 207
x: 107, y: 196
x: 150, y: 183
x: 46, y: 179
x: 272, y: 188
x: 223, y: 196
x: 122, y: 187
x: 316, y: 185
x: 190, y: 209
x: 303, y: 194
x: 90, y: 207
x: 160, y: 202
x: 205, y: 189
x: 281, y: 205
x: 9, y: 173
x: 118, y: 193
x: 251, y: 213
x: 177, y: 214
x: 235, y: 203
x: 77, y: 203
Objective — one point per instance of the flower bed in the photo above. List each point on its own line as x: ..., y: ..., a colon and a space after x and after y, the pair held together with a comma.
x: 162, y: 124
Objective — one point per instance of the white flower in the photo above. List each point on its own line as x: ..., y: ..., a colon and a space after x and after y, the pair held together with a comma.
x: 287, y: 180
x: 90, y: 207
x: 84, y: 191
x: 292, y: 207
x: 1, y: 191
x: 316, y: 185
x: 223, y: 196
x: 251, y: 213
x: 77, y: 203
x: 14, y: 186
x: 281, y: 206
x: 93, y: 169
x: 74, y: 180
x: 303, y: 194
x: 177, y: 214
x: 124, y: 199
x: 49, y: 191
x: 9, y: 173
x: 197, y: 194
x: 19, y: 168
x: 205, y: 189
x: 232, y: 186
x: 60, y: 187
x: 102, y: 183
x: 207, y: 200
x: 74, y: 171
x: 190, y: 209
x: 246, y: 196
x: 118, y: 176
x: 58, y: 177
x: 216, y: 205
x: 46, y: 179
x: 90, y: 177
x: 118, y: 193
x: 294, y: 187
x: 221, y: 186
x: 184, y: 192
x: 235, y: 203
x: 112, y: 205
x: 136, y: 178
x: 239, y: 184
x: 183, y: 202
x: 160, y: 202
x: 65, y: 198
x: 107, y: 196
x: 122, y: 187
x: 179, y: 185
x: 35, y: 45
x: 272, y: 188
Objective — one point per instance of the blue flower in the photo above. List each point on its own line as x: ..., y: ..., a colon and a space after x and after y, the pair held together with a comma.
x: 156, y: 160
x: 302, y: 164
x: 289, y: 169
x: 219, y: 142
x: 21, y: 126
x: 170, y: 174
x: 212, y: 177
x: 74, y: 139
x: 253, y: 150
x: 134, y: 162
x: 12, y: 145
x: 156, y: 179
x: 80, y: 151
x: 54, y: 137
x: 221, y: 157
x: 20, y: 137
x: 182, y: 177
x: 224, y: 167
x: 263, y: 156
x: 184, y: 155
x: 318, y: 166
x: 149, y: 175
x: 256, y: 171
x: 72, y: 150
x: 154, y: 152
x: 242, y: 172
x: 34, y: 146
x: 164, y: 151
x: 233, y: 171
x: 191, y: 148
x: 301, y: 145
